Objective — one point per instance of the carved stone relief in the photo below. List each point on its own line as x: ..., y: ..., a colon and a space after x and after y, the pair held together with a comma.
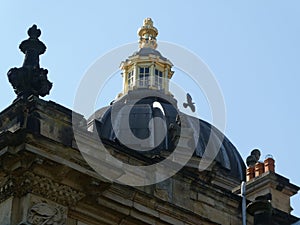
x: 42, y: 186
x: 44, y: 213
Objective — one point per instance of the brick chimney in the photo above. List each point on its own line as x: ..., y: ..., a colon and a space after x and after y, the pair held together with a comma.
x: 262, y: 180
x: 256, y: 167
x: 260, y: 168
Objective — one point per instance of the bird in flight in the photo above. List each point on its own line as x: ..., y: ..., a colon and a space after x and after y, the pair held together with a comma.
x: 189, y: 102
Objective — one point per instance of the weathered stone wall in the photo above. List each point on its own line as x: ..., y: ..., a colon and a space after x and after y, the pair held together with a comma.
x: 41, y: 170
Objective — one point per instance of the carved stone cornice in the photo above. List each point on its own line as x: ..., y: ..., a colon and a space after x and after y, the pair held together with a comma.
x: 29, y: 182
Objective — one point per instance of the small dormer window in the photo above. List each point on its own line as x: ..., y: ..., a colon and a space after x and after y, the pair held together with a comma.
x: 144, y: 75
x: 130, y: 79
x: 158, y: 79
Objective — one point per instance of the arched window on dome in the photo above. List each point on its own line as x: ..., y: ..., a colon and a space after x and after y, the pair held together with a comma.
x: 144, y: 76
x: 158, y: 79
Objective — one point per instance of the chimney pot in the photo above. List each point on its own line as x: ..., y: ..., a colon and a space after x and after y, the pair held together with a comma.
x: 249, y: 173
x: 269, y: 164
x: 259, y: 169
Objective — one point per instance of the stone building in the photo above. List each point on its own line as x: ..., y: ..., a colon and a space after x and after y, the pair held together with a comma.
x: 57, y: 167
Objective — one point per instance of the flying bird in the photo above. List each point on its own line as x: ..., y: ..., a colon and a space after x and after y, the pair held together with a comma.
x: 189, y: 102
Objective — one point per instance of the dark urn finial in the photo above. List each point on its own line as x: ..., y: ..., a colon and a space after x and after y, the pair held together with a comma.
x: 30, y: 79
x: 253, y: 158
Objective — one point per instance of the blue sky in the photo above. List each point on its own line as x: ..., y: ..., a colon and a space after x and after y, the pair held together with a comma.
x: 252, y: 47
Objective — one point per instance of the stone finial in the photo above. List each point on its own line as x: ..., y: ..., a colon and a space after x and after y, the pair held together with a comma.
x: 30, y: 79
x: 148, y: 34
x: 32, y: 47
x: 33, y: 32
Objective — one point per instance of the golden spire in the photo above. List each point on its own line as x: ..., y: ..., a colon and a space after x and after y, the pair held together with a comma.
x: 148, y: 34
x: 146, y: 68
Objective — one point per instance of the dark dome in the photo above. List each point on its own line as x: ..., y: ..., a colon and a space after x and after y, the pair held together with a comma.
x: 143, y: 110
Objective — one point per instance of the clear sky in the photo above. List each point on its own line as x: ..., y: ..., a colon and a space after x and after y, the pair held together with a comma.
x: 252, y: 47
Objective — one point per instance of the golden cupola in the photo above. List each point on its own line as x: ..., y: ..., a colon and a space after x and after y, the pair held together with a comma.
x: 146, y: 68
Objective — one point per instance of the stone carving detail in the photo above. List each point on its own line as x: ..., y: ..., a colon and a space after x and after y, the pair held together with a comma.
x: 46, y: 214
x: 54, y: 191
x: 41, y: 186
x: 6, y: 190
x: 30, y: 79
x: 174, y: 133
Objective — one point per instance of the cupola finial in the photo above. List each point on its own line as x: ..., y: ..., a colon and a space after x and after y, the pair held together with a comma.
x: 146, y: 68
x: 148, y: 34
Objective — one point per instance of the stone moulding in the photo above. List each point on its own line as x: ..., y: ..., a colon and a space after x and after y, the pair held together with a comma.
x: 41, y: 186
